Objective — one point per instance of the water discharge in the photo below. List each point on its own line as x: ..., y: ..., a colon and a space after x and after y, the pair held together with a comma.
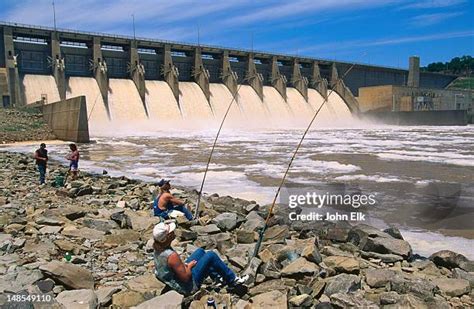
x: 161, y: 110
x: 96, y: 109
x: 38, y: 86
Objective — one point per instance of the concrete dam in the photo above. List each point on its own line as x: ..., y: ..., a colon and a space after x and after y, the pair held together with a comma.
x: 130, y: 82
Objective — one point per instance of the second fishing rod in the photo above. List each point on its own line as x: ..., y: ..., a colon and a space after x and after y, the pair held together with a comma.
x: 270, y: 212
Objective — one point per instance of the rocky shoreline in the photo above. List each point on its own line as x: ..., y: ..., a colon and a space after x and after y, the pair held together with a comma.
x: 26, y: 124
x: 88, y: 245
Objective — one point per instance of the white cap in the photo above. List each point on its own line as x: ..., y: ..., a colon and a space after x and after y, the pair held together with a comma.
x: 161, y: 230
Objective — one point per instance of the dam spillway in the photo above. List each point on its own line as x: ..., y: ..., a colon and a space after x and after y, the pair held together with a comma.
x: 46, y: 64
x: 192, y: 111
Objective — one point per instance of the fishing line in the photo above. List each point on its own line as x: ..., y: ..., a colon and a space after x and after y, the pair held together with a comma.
x: 262, y: 231
x: 234, y: 98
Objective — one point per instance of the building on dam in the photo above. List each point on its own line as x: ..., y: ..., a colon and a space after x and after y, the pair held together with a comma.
x: 44, y: 65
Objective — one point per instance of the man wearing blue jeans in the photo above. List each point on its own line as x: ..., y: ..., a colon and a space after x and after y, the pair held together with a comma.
x: 186, y: 278
x: 41, y: 157
x: 165, y: 202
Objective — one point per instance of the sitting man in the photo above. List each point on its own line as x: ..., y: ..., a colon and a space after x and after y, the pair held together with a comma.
x: 165, y: 202
x: 186, y: 278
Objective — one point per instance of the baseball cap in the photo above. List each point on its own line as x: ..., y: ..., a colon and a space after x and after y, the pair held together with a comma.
x: 162, y: 229
x: 162, y: 182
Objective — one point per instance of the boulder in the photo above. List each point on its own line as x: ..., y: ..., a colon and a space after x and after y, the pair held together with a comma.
x: 206, y: 229
x: 357, y: 300
x: 461, y: 274
x: 16, y: 281
x: 69, y: 275
x: 169, y: 300
x: 377, y: 278
x: 450, y: 259
x: 85, y: 232
x: 276, y: 233
x: 452, y: 287
x: 299, y: 267
x: 272, y: 299
x: 78, y: 299
x: 417, y: 286
x: 343, y: 283
x: 245, y: 236
x: 100, y: 224
x: 394, y: 232
x: 388, y: 245
x: 343, y: 264
x: 311, y: 253
x: 303, y: 300
x: 146, y: 284
x: 104, y: 294
x: 127, y: 299
x: 226, y: 221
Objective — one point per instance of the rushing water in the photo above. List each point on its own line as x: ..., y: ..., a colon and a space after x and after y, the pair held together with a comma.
x: 422, y: 177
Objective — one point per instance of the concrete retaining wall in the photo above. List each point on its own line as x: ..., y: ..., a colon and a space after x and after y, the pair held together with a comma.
x: 68, y: 119
x: 421, y: 118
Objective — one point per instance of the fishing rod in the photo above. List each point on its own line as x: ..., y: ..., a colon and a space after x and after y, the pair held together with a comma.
x: 234, y: 98
x: 93, y: 106
x: 262, y: 231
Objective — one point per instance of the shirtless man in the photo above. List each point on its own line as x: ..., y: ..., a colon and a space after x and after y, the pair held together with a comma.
x: 165, y: 202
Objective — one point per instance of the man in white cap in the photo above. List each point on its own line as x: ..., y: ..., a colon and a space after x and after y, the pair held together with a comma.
x: 186, y: 278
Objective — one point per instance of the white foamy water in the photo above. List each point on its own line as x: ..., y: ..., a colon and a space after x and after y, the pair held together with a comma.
x: 415, y: 172
x: 96, y: 109
x: 37, y: 86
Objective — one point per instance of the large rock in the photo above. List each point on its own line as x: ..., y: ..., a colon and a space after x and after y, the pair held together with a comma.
x: 417, y: 286
x: 300, y: 267
x: 226, y: 221
x: 69, y: 275
x: 78, y: 299
x: 388, y: 245
x: 254, y: 222
x: 104, y: 294
x: 453, y: 287
x: 251, y: 270
x: 147, y: 284
x: 343, y: 283
x: 343, y: 264
x: 450, y: 259
x: 461, y: 274
x: 357, y: 300
x: 276, y: 233
x: 84, y: 232
x: 127, y: 299
x: 14, y: 282
x: 100, y: 224
x: 311, y: 253
x: 170, y: 300
x: 272, y: 299
x: 206, y: 229
x: 377, y: 278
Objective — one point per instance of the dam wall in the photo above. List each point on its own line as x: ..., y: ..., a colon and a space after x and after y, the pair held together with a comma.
x: 68, y: 119
x: 62, y: 53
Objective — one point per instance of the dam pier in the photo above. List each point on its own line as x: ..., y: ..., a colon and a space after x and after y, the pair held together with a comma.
x: 128, y: 80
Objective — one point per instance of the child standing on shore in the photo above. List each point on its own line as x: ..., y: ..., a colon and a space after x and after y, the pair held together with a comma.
x: 74, y: 158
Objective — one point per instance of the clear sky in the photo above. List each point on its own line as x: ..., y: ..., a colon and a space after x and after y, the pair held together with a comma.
x: 384, y: 32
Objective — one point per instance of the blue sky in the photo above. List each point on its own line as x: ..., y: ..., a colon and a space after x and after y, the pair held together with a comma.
x: 383, y: 32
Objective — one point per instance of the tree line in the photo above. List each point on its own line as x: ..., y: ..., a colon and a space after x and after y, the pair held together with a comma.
x: 458, y: 65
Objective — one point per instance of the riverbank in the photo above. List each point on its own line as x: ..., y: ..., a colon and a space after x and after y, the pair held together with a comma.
x: 105, y: 224
x: 17, y: 125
